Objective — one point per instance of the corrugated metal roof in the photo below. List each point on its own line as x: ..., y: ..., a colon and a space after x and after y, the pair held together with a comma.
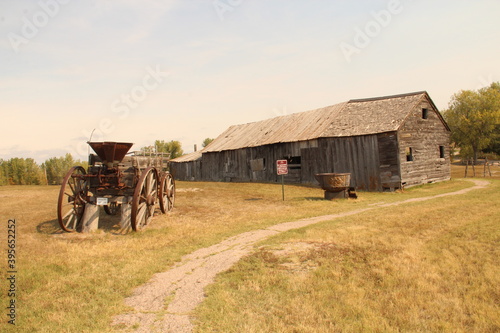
x: 355, y: 117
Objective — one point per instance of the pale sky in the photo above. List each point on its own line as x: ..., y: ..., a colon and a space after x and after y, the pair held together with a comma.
x: 137, y: 71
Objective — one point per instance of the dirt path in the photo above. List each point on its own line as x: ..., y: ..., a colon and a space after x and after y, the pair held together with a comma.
x: 182, y: 287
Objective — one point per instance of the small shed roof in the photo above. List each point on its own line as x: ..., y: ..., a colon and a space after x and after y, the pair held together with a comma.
x: 188, y: 157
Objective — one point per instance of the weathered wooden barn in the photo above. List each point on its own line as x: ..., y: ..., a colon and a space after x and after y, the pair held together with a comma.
x: 385, y: 143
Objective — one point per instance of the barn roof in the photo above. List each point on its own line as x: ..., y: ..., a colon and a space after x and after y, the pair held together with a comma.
x: 352, y: 118
x: 188, y: 157
x: 294, y: 127
x: 374, y: 115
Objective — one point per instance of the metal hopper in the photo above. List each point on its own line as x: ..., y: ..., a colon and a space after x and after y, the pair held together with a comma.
x: 335, y: 185
x: 111, y: 153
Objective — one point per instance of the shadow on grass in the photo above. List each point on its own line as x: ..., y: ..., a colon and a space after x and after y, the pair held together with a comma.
x: 107, y: 223
x: 49, y: 227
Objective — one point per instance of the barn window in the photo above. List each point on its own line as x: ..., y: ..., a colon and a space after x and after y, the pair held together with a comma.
x: 425, y: 113
x: 409, y: 154
x: 294, y: 162
x: 441, y: 151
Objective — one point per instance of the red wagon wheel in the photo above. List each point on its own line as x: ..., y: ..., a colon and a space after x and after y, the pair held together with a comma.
x: 144, y: 200
x: 167, y: 193
x: 72, y: 198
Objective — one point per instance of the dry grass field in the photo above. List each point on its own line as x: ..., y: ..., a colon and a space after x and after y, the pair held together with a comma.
x: 429, y: 266
x: 423, y: 267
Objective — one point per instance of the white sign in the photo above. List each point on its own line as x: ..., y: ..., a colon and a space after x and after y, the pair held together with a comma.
x: 282, y: 167
x: 102, y: 201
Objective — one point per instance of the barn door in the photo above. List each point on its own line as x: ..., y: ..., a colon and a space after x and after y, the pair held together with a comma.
x: 313, y: 162
x: 389, y: 161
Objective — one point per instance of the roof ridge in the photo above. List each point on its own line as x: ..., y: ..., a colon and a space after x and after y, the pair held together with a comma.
x: 387, y: 97
x: 288, y: 115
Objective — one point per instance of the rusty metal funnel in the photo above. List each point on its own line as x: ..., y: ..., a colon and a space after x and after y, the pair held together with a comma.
x: 111, y: 152
x: 333, y: 182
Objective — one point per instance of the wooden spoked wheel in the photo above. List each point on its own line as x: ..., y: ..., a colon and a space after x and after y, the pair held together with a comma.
x: 144, y: 200
x: 167, y: 193
x: 72, y: 199
x: 112, y: 209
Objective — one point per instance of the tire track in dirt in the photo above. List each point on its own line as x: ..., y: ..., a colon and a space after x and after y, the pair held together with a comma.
x: 182, y: 286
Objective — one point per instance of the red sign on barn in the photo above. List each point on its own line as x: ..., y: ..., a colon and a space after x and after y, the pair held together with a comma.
x: 282, y: 167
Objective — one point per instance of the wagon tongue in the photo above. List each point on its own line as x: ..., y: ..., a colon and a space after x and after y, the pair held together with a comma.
x: 111, y: 153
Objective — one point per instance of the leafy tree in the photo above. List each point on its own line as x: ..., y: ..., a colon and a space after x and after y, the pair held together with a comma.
x: 206, y: 142
x: 174, y: 148
x: 57, y: 167
x: 494, y: 147
x: 16, y: 171
x: 148, y: 149
x: 33, y: 173
x: 474, y: 119
x: 4, y: 180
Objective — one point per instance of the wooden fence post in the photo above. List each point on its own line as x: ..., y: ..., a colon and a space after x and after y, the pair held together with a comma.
x: 486, y: 165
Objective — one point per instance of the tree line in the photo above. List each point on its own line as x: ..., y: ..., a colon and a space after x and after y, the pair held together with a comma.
x: 25, y: 171
x: 174, y: 148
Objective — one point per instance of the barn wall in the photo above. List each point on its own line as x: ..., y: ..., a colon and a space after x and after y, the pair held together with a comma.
x: 186, y: 170
x: 359, y: 156
x: 390, y: 174
x: 255, y: 163
x: 356, y: 155
x: 426, y: 143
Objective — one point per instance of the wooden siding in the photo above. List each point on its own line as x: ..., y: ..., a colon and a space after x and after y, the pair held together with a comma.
x: 190, y: 170
x: 236, y: 165
x: 390, y: 175
x: 424, y: 137
x: 358, y: 155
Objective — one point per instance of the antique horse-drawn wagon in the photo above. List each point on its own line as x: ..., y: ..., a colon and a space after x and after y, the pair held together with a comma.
x: 132, y: 184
